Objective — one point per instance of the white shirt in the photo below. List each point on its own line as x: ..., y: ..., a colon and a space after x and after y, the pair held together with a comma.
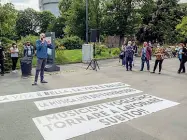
x: 14, y: 52
x: 29, y: 50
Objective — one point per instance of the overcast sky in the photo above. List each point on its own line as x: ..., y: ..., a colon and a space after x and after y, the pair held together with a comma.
x: 22, y: 4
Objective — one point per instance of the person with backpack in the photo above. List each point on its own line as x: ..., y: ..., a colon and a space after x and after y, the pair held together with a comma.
x: 28, y: 50
x: 184, y: 59
x: 29, y: 53
x: 129, y: 56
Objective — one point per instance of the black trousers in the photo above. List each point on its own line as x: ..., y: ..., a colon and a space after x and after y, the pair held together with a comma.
x: 156, y: 64
x: 14, y: 62
x: 182, y: 65
x: 129, y: 63
x: 2, y: 66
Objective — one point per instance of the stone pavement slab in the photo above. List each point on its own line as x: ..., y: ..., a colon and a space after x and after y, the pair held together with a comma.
x: 170, y: 124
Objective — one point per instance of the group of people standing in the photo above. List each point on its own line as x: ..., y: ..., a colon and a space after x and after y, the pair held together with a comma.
x: 14, y: 54
x: 130, y: 49
x: 42, y: 46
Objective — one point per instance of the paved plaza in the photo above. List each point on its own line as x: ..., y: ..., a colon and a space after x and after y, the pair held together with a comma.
x: 21, y: 113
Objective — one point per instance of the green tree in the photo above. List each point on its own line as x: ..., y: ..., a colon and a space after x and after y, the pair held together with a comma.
x: 74, y: 14
x: 75, y: 19
x: 46, y: 19
x: 28, y: 22
x: 95, y: 13
x: 57, y: 26
x: 8, y: 16
x: 165, y: 16
x: 182, y: 27
x: 121, y: 17
x: 64, y: 6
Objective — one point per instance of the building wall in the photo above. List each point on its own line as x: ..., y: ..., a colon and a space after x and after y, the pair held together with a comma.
x: 50, y: 5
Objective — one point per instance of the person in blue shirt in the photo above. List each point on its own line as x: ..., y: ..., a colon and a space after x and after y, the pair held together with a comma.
x: 146, y: 56
x: 183, y: 59
x: 41, y: 52
x: 180, y: 54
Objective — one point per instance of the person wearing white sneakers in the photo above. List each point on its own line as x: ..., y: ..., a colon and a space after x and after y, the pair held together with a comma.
x: 14, y: 55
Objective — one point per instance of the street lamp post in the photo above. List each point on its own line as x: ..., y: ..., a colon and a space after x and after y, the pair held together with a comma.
x: 86, y: 21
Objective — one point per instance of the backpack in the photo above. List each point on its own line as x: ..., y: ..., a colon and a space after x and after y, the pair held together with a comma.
x: 26, y: 51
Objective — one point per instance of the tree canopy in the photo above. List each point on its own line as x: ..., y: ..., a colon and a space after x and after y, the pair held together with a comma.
x: 8, y: 16
x: 147, y: 20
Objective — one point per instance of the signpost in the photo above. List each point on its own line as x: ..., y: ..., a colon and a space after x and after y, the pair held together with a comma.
x: 50, y: 67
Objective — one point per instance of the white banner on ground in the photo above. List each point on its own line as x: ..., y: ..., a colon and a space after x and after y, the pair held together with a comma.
x: 85, y: 98
x: 60, y: 92
x: 69, y: 124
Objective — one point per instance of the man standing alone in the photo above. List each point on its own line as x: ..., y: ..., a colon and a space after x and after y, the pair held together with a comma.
x: 41, y: 46
x: 2, y: 57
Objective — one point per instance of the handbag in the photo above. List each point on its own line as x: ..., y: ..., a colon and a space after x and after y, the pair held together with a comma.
x: 121, y: 56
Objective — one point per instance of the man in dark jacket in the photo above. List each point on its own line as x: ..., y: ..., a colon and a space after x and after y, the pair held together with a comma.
x: 184, y: 59
x: 28, y: 50
x: 2, y: 57
x: 129, y: 56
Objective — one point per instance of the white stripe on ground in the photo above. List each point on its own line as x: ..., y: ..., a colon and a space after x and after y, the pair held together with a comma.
x: 60, y: 92
x: 85, y: 98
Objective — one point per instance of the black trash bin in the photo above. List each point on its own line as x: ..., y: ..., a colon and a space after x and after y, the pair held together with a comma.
x: 26, y: 66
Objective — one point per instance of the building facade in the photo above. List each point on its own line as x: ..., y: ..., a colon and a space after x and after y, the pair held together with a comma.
x: 50, y: 5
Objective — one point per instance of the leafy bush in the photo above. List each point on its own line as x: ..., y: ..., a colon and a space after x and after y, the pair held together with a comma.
x: 58, y: 44
x: 29, y: 38
x: 116, y: 51
x: 100, y: 48
x: 5, y: 41
x: 72, y: 42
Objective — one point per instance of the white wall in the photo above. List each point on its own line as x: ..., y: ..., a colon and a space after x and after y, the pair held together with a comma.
x: 50, y: 5
x: 53, y: 8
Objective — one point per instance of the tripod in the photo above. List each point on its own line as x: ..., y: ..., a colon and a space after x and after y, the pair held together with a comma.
x: 93, y: 62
